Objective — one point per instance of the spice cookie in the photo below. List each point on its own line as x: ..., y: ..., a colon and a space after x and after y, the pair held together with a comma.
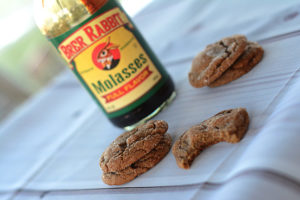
x: 252, y: 55
x: 141, y: 166
x: 226, y: 126
x: 211, y: 63
x: 132, y: 145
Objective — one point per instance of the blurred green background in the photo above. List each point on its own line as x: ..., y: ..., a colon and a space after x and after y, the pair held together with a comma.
x: 27, y: 60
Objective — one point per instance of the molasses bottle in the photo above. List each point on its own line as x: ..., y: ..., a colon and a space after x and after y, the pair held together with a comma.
x: 109, y: 56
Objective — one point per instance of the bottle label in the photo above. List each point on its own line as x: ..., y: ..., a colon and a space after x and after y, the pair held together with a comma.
x: 107, y: 57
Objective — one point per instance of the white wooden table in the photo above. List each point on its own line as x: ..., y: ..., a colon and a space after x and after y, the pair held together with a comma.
x: 49, y: 149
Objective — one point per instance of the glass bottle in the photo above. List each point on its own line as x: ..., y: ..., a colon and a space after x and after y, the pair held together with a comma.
x: 109, y: 56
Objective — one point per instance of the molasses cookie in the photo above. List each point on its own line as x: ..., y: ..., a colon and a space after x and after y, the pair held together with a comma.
x: 226, y: 126
x: 141, y: 166
x: 211, y: 63
x: 132, y: 145
x: 248, y: 60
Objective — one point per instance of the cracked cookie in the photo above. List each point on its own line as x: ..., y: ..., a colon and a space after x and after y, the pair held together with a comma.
x: 252, y: 55
x: 226, y: 126
x: 132, y: 145
x: 141, y: 166
x: 211, y: 63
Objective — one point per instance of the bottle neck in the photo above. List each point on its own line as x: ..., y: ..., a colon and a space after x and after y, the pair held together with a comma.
x: 93, y: 5
x: 55, y: 17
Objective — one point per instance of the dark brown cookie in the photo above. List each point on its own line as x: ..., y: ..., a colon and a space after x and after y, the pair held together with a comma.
x: 141, y: 166
x: 132, y: 145
x: 248, y: 60
x: 226, y: 126
x: 211, y: 63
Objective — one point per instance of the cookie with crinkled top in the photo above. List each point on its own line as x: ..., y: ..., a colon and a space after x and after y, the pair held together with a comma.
x: 132, y: 145
x: 211, y: 63
x: 246, y: 62
x: 226, y: 126
x: 141, y: 166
